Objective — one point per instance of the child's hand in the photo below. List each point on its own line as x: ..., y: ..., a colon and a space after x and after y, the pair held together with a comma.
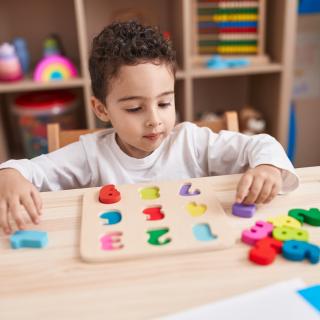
x: 15, y: 190
x: 259, y: 185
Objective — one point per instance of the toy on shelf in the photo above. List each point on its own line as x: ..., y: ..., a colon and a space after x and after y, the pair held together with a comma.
x: 23, y: 54
x: 217, y: 62
x: 231, y: 29
x: 54, y: 65
x: 251, y: 121
x: 53, y: 45
x: 10, y: 68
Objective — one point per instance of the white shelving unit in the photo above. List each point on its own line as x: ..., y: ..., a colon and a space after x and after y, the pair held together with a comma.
x: 265, y: 87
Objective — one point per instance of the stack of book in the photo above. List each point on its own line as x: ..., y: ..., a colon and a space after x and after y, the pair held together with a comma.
x: 228, y: 27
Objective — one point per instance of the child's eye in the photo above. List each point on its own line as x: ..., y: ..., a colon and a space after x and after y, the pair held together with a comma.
x: 163, y: 105
x: 133, y: 109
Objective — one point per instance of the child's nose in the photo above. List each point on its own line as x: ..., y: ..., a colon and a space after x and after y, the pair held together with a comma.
x: 153, y: 119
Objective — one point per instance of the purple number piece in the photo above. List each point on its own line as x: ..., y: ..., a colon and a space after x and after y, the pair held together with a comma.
x: 243, y: 210
x: 184, y: 191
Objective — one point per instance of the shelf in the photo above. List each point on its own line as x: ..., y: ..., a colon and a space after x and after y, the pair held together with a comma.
x: 202, y: 72
x: 30, y: 85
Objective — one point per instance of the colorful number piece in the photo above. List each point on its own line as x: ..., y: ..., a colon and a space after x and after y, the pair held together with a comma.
x: 259, y: 231
x: 265, y: 251
x: 286, y: 233
x: 109, y: 194
x: 154, y: 213
x: 111, y: 217
x: 185, y: 190
x: 150, y: 193
x: 311, y: 216
x: 196, y: 210
x: 243, y: 210
x: 28, y: 239
x: 111, y: 241
x: 299, y: 250
x: 202, y: 232
x: 154, y: 237
x: 284, y: 221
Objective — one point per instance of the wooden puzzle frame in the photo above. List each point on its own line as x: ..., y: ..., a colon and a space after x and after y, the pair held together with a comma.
x: 134, y: 224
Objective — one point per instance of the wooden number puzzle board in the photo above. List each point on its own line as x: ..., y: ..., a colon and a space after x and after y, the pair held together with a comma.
x: 187, y: 225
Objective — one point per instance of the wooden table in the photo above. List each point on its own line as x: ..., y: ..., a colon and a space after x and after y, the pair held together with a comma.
x: 54, y: 283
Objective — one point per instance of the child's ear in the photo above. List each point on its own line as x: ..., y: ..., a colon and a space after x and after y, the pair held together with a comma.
x: 99, y: 109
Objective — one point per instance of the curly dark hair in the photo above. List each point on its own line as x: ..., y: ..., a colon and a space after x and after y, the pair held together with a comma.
x: 126, y: 43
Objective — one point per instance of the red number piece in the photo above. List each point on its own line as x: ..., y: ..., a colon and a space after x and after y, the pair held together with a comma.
x: 154, y: 213
x: 109, y: 194
x: 265, y: 251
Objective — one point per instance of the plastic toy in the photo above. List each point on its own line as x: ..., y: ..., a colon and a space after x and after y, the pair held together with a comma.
x: 10, y: 68
x: 243, y: 210
x: 109, y: 194
x: 29, y: 239
x: 299, y: 250
x: 259, y: 231
x: 288, y: 233
x: 22, y: 53
x: 311, y: 216
x: 265, y: 250
x: 218, y: 63
x: 54, y: 67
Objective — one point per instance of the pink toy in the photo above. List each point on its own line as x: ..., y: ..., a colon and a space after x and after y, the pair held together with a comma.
x: 54, y: 67
x: 261, y: 230
x: 10, y: 68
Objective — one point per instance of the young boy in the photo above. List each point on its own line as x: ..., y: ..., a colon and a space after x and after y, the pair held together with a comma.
x: 132, y: 69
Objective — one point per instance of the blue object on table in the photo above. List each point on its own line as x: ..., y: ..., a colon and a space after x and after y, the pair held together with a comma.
x: 28, y: 239
x: 309, y: 6
x: 22, y: 53
x: 219, y: 63
x: 312, y: 295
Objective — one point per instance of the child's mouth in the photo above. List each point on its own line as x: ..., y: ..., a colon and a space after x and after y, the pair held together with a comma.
x: 153, y: 136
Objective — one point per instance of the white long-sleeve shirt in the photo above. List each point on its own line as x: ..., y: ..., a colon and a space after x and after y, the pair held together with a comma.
x: 188, y: 152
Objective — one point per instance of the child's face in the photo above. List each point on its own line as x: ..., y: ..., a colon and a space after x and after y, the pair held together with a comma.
x: 141, y: 107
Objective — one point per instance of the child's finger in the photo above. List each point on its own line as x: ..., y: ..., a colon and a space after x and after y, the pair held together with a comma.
x: 265, y: 192
x: 31, y: 209
x: 274, y: 192
x: 14, y: 209
x: 37, y: 200
x: 243, y: 187
x: 4, y: 221
x: 254, y: 190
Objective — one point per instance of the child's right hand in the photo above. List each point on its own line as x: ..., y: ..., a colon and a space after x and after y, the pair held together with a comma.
x: 15, y: 191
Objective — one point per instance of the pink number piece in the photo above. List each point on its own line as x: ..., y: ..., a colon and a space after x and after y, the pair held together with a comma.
x: 111, y: 241
x: 261, y: 230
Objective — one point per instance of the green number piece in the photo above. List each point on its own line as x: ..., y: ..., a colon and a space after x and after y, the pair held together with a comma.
x: 150, y: 193
x: 311, y: 216
x: 154, y: 236
x: 287, y: 233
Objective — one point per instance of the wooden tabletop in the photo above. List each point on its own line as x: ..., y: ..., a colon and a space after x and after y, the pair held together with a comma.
x: 53, y: 283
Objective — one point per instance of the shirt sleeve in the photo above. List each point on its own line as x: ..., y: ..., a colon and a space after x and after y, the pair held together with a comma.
x: 66, y: 168
x: 231, y: 152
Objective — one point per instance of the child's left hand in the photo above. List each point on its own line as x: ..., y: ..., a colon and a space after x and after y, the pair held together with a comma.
x: 259, y: 185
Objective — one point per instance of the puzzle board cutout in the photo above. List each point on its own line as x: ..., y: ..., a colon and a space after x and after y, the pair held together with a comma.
x: 190, y: 219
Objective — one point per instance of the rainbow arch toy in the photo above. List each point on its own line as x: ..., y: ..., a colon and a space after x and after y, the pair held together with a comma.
x: 54, y: 67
